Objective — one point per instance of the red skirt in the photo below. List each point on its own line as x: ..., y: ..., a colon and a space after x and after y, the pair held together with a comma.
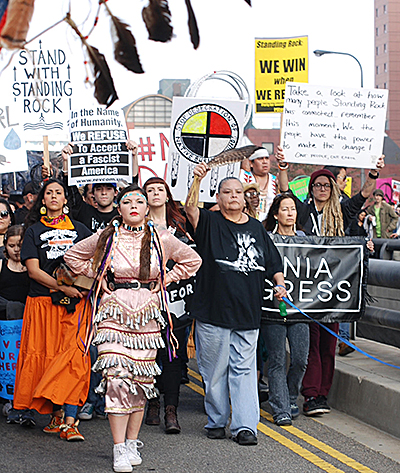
x: 51, y: 369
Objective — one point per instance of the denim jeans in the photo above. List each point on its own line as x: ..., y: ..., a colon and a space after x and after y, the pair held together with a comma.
x: 344, y: 330
x: 284, y: 388
x: 227, y: 363
x: 95, y: 378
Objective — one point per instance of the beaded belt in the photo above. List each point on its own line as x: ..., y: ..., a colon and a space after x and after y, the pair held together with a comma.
x: 135, y: 285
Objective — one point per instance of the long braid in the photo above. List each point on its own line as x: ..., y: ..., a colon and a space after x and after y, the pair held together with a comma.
x: 145, y: 253
x: 332, y: 217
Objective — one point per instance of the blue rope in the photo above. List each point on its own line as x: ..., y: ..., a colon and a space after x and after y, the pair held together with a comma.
x: 339, y: 337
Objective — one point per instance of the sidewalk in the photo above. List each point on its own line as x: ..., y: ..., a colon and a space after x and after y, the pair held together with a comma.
x: 367, y: 389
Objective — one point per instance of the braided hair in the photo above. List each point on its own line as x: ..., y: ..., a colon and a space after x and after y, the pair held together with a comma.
x: 332, y: 217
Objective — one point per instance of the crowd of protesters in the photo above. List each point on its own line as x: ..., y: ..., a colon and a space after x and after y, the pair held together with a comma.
x: 132, y: 250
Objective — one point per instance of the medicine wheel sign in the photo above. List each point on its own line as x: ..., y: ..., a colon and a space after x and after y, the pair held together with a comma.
x: 204, y: 131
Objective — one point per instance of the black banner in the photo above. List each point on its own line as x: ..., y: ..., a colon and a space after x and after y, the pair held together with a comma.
x: 325, y: 277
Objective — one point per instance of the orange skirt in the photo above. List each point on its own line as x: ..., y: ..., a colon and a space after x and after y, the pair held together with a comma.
x: 51, y: 369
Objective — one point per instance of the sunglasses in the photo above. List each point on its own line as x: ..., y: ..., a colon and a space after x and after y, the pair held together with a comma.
x: 252, y: 194
x: 319, y: 186
x: 4, y: 213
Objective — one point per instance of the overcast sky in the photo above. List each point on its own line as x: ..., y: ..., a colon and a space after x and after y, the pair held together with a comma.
x: 227, y: 32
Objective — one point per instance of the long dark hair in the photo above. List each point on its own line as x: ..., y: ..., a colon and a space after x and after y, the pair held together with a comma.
x: 34, y: 214
x: 173, y: 216
x: 270, y: 222
x: 108, y: 232
x: 9, y: 210
x: 14, y: 230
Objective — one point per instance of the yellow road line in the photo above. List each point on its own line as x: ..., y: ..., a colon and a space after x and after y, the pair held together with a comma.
x: 301, y: 435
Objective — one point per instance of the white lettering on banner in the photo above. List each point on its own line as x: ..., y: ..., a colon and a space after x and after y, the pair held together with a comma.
x: 335, y: 126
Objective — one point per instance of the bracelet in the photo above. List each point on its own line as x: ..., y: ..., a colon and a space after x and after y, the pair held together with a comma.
x: 373, y: 176
x: 280, y: 285
x: 283, y: 168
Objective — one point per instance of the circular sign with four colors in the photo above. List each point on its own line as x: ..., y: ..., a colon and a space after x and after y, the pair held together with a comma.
x: 204, y: 131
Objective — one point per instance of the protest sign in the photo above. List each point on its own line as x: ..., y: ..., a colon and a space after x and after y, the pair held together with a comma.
x: 277, y: 61
x: 153, y: 149
x: 385, y: 184
x: 396, y: 191
x: 333, y: 125
x: 39, y: 80
x: 99, y: 137
x: 324, y: 276
x: 200, y: 130
x: 10, y: 338
x: 13, y: 156
x: 299, y: 187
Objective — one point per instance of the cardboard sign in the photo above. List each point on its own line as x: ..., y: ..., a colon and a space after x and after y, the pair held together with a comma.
x: 200, y: 130
x: 39, y: 79
x: 277, y: 61
x: 299, y: 187
x: 99, y: 137
x: 385, y: 184
x: 333, y: 125
x: 396, y: 191
x: 324, y: 276
x: 13, y: 157
x: 10, y: 339
x: 153, y: 149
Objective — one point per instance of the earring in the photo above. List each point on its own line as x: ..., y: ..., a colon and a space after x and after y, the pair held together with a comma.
x: 276, y: 227
x: 294, y: 229
x: 43, y: 210
x: 65, y: 209
x: 167, y: 200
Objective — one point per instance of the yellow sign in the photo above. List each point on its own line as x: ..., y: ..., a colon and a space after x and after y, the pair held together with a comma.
x: 277, y: 62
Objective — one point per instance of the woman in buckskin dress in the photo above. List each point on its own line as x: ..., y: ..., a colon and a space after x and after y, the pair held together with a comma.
x: 127, y: 257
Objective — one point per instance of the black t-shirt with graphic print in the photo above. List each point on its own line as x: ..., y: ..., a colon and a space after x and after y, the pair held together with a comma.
x: 236, y: 259
x: 48, y: 245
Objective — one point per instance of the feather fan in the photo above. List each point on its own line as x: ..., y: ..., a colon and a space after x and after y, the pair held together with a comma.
x: 226, y: 157
x: 125, y: 51
x: 193, y: 28
x: 157, y: 18
x: 104, y: 89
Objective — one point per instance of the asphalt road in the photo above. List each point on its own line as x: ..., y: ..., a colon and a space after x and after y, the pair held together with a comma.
x: 306, y: 447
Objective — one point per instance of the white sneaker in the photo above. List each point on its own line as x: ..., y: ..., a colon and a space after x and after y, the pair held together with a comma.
x: 86, y: 411
x: 121, y: 460
x: 133, y: 454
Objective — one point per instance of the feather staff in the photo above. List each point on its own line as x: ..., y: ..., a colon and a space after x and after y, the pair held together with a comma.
x: 192, y: 23
x: 226, y: 157
x: 104, y: 90
x: 125, y: 51
x: 157, y: 18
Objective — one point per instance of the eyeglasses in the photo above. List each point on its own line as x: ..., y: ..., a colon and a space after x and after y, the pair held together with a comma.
x: 4, y: 213
x: 250, y: 194
x: 319, y: 185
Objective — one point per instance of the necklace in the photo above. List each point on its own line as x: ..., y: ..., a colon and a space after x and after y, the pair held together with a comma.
x: 55, y: 220
x: 132, y: 229
x: 238, y: 220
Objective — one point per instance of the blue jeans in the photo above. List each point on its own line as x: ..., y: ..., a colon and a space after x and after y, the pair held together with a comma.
x: 95, y: 378
x: 344, y: 330
x: 284, y: 388
x: 227, y: 363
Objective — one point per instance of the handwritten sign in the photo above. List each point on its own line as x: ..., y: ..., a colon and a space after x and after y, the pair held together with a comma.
x: 333, y: 125
x: 13, y: 157
x: 10, y: 338
x: 277, y: 61
x: 98, y: 136
x: 153, y: 149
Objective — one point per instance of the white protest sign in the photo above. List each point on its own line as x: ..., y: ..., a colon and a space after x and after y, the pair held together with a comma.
x: 13, y: 156
x: 153, y: 148
x: 99, y: 137
x: 39, y: 81
x: 200, y: 130
x: 333, y: 125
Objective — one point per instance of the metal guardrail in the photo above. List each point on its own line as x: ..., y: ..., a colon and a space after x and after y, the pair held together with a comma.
x: 384, y: 247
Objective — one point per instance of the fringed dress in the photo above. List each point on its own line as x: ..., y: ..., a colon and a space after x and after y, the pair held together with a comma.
x: 128, y: 321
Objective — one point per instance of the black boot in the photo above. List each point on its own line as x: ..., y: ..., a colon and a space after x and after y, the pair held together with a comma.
x: 171, y: 421
x: 153, y: 412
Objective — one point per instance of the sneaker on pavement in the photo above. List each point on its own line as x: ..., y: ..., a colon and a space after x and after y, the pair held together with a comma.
x: 86, y: 412
x: 132, y: 451
x: 121, y: 461
x: 14, y: 416
x: 7, y: 408
x: 27, y: 418
x: 284, y: 420
x: 54, y: 426
x: 245, y: 437
x: 311, y: 407
x: 294, y: 411
x: 345, y: 349
x: 323, y: 404
x: 216, y: 434
x: 71, y: 432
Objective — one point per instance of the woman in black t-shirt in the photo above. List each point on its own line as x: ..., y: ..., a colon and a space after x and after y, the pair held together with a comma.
x: 51, y: 371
